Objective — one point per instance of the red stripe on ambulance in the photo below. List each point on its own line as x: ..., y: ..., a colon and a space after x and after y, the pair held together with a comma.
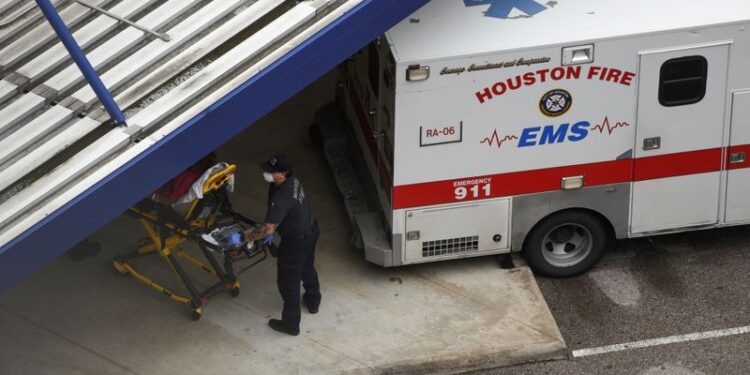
x: 509, y: 184
x: 549, y: 179
x: 679, y: 164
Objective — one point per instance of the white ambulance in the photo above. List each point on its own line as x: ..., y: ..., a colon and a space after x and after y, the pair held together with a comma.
x: 552, y: 128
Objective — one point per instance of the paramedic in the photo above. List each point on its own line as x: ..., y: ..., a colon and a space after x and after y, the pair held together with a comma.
x: 290, y: 215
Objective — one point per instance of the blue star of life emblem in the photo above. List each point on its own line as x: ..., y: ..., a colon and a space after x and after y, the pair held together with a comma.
x: 503, y: 8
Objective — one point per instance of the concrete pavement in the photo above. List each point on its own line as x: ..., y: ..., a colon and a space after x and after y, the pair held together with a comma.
x: 79, y: 317
x: 684, y: 284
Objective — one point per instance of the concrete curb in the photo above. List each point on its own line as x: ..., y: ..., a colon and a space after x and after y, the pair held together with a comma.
x: 460, y: 364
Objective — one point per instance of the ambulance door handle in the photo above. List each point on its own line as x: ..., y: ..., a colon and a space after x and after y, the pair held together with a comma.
x: 651, y: 143
x: 737, y: 157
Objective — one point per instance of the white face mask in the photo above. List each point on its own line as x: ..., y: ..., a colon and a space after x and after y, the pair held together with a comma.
x: 268, y: 177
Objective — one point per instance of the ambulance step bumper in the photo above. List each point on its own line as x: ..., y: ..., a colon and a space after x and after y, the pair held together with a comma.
x: 367, y: 225
x: 377, y: 248
x: 335, y: 144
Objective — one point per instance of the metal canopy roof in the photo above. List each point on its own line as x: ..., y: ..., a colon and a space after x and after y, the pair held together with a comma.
x: 66, y: 169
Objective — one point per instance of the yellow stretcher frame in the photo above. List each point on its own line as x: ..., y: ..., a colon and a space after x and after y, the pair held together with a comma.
x: 167, y: 231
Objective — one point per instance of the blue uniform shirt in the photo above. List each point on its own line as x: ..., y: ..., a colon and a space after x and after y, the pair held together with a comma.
x: 289, y: 209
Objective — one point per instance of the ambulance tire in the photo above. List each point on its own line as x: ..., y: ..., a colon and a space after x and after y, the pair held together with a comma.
x: 566, y: 244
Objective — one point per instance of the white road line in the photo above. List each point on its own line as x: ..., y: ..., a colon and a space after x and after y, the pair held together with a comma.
x: 661, y: 341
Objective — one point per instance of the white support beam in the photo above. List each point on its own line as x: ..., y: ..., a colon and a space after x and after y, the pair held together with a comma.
x: 29, y: 43
x: 23, y: 203
x: 23, y: 139
x: 120, y: 44
x: 195, y: 52
x: 7, y: 5
x: 7, y: 91
x: 46, y: 151
x: 244, y: 76
x: 10, y: 28
x: 158, y: 49
x: 224, y: 65
x: 86, y: 35
x: 18, y: 110
x: 17, y: 14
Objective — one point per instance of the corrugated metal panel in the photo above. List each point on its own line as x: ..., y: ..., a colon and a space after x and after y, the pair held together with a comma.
x: 42, y: 218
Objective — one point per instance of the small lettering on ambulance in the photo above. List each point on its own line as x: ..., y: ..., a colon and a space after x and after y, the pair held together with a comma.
x: 472, y: 189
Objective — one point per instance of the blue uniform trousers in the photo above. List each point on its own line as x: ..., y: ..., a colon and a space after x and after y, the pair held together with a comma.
x: 296, y: 260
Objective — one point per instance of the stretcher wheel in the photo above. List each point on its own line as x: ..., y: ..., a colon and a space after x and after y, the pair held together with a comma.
x: 235, y: 292
x: 196, y: 314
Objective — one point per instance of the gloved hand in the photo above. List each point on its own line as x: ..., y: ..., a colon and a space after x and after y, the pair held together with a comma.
x: 268, y: 240
x: 234, y: 238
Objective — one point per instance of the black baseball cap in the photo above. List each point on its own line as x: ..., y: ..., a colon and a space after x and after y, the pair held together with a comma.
x: 277, y: 163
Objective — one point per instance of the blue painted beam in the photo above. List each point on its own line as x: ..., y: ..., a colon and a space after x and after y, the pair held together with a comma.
x: 62, y: 31
x: 110, y: 197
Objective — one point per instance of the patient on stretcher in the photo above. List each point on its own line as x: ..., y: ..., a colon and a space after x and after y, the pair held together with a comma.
x: 180, y: 192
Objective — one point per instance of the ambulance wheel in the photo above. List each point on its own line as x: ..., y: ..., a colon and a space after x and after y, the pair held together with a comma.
x: 566, y: 244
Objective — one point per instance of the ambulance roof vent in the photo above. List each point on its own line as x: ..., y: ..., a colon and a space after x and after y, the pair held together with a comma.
x: 450, y: 246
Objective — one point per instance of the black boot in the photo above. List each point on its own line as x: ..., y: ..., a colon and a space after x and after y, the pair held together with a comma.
x: 313, y: 309
x: 312, y: 302
x: 278, y: 326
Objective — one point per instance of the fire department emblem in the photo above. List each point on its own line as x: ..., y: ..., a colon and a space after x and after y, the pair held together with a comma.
x: 555, y: 103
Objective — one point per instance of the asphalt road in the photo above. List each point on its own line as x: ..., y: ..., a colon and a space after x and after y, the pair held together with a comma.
x: 654, y: 288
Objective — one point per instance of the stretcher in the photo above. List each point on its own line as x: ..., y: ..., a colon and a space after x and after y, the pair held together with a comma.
x: 210, y: 215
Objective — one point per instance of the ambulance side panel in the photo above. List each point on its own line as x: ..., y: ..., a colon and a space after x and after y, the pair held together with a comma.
x: 509, y: 149
x: 482, y: 129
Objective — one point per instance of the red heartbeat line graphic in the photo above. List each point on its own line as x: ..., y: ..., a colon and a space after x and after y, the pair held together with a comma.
x: 608, y: 127
x: 495, y: 138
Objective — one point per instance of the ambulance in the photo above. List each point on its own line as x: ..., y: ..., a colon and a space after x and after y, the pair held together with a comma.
x: 551, y: 128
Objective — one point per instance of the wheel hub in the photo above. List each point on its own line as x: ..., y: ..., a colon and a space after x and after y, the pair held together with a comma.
x: 567, y: 244
x: 562, y: 235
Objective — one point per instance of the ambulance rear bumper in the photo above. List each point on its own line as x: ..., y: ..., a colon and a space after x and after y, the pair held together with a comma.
x: 376, y: 246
